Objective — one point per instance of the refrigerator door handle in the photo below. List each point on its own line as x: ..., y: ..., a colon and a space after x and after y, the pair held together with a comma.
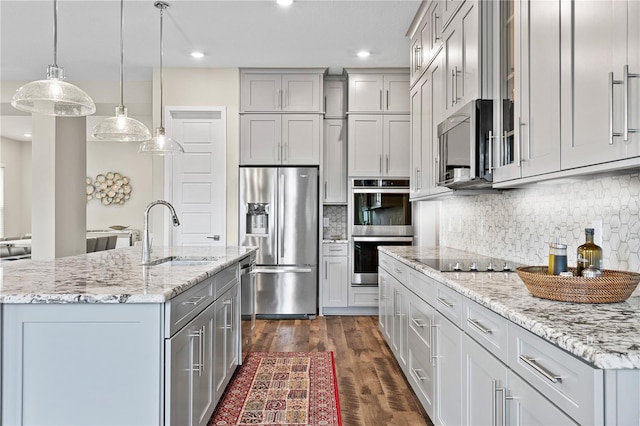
x: 280, y: 270
x: 281, y: 215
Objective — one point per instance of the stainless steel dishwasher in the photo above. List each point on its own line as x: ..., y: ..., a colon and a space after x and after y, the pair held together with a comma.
x: 248, y: 300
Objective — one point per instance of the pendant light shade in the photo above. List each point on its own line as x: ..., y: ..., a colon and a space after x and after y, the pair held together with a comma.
x: 53, y: 96
x: 161, y: 144
x: 120, y: 127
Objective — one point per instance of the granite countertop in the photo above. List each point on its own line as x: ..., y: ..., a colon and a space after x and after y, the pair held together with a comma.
x: 604, y: 335
x: 112, y: 276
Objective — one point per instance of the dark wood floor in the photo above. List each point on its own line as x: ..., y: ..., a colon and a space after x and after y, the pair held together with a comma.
x: 371, y: 386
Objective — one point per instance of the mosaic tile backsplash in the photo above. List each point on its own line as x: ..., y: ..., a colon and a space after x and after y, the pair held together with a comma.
x: 518, y: 224
x: 337, y: 228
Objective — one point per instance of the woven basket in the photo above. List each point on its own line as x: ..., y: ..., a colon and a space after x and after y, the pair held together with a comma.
x: 611, y: 287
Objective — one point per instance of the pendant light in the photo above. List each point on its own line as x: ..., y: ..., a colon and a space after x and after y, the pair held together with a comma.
x: 161, y: 144
x: 53, y: 96
x: 120, y: 127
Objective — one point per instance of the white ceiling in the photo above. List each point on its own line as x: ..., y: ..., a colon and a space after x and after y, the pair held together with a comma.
x: 232, y: 33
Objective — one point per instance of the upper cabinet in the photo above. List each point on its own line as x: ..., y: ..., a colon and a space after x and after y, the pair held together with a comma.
x: 278, y: 91
x: 378, y: 91
x: 426, y: 38
x: 600, y: 85
x: 335, y: 97
x: 528, y: 38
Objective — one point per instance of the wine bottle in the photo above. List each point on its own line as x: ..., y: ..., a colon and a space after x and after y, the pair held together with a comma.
x: 589, y: 253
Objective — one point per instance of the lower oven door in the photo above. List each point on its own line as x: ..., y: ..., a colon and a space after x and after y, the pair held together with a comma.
x: 364, y: 255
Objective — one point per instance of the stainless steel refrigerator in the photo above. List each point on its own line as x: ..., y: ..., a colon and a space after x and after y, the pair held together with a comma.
x: 279, y: 214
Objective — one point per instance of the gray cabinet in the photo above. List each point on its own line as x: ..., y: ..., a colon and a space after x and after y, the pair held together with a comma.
x: 335, y: 97
x: 379, y: 145
x: 600, y: 103
x: 335, y: 277
x: 529, y: 142
x: 378, y: 91
x: 275, y: 91
x: 448, y: 381
x: 226, y: 338
x: 334, y: 170
x: 280, y: 139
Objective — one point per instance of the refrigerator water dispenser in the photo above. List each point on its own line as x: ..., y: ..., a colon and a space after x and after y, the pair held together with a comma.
x: 257, y: 218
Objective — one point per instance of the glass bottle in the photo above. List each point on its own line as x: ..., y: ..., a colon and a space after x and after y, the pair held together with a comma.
x: 557, y: 258
x: 589, y: 253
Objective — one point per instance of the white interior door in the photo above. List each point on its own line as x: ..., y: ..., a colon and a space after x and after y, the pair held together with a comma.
x: 196, y: 180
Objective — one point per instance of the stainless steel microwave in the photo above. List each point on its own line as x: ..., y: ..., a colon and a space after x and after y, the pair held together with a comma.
x: 465, y: 147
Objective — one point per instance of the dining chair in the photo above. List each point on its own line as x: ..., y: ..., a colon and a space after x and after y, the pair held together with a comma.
x: 111, y: 242
x: 101, y: 243
x: 91, y: 244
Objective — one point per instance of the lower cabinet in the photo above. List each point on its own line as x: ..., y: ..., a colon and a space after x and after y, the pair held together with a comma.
x: 335, y: 275
x: 201, y: 359
x: 469, y: 366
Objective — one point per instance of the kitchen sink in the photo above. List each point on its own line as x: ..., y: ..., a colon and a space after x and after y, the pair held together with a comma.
x: 183, y: 261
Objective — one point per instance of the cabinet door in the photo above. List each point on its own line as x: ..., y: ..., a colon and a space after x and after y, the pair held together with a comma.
x: 453, y: 65
x: 416, y: 137
x: 385, y: 305
x: 633, y: 58
x: 260, y: 92
x: 399, y: 319
x: 335, y: 98
x: 539, y: 103
x: 421, y: 371
x: 203, y: 393
x: 301, y: 92
x: 486, y: 381
x: 437, y: 108
x: 260, y: 139
x: 181, y: 350
x: 525, y: 406
x: 219, y: 346
x: 469, y: 80
x: 415, y: 62
x: 396, y: 93
x: 449, y: 9
x: 448, y: 394
x: 232, y: 325
x: 365, y: 145
x: 365, y: 92
x: 335, y: 161
x: 593, y: 60
x: 396, y: 145
x: 335, y: 288
x: 300, y: 139
x: 432, y: 36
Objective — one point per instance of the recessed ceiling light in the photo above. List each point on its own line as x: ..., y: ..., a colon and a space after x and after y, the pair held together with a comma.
x: 197, y: 55
x: 284, y: 2
x: 364, y: 54
x: 27, y: 135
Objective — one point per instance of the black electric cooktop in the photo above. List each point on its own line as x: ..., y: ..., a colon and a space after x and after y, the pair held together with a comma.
x: 476, y: 264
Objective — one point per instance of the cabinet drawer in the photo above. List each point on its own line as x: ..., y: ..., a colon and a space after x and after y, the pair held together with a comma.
x: 449, y: 303
x: 420, y: 318
x: 185, y: 306
x: 224, y: 279
x: 572, y: 385
x: 422, y: 285
x: 487, y: 328
x: 397, y: 269
x: 364, y: 296
x: 335, y: 249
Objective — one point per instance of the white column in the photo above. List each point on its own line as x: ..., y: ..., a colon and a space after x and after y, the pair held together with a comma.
x: 59, y: 170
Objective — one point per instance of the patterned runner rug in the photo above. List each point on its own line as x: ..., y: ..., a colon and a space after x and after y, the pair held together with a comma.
x: 281, y: 388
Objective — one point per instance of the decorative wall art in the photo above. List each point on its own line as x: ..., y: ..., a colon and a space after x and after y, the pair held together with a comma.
x: 110, y: 188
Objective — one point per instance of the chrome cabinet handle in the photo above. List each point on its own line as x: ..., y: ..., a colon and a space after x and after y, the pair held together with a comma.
x: 479, y: 326
x: 612, y: 83
x: 418, y: 60
x: 494, y: 403
x: 519, y: 144
x: 444, y: 302
x: 398, y: 271
x: 453, y: 85
x: 418, y: 323
x: 387, y: 164
x: 324, y: 104
x: 380, y: 157
x: 415, y: 373
x: 491, y: 138
x: 625, y: 82
x: 380, y: 99
x: 284, y: 99
x: 531, y: 362
x: 432, y: 326
x: 198, y: 366
x: 387, y: 100
x: 435, y: 28
x: 502, y: 145
x: 194, y: 300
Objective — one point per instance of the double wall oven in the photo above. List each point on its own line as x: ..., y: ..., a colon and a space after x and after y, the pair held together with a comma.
x: 379, y: 214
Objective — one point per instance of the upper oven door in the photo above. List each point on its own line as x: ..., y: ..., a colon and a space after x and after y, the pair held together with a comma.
x: 380, y: 211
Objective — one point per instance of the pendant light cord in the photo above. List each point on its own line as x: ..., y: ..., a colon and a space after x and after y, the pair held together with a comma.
x: 121, y: 54
x: 55, y: 33
x: 161, y: 77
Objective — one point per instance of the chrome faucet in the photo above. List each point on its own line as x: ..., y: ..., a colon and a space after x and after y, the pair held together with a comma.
x: 146, y: 240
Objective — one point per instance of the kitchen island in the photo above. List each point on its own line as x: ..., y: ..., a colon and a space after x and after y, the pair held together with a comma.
x: 504, y: 348
x: 101, y: 339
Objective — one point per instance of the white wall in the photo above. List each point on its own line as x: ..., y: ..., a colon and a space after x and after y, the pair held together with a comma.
x: 203, y: 87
